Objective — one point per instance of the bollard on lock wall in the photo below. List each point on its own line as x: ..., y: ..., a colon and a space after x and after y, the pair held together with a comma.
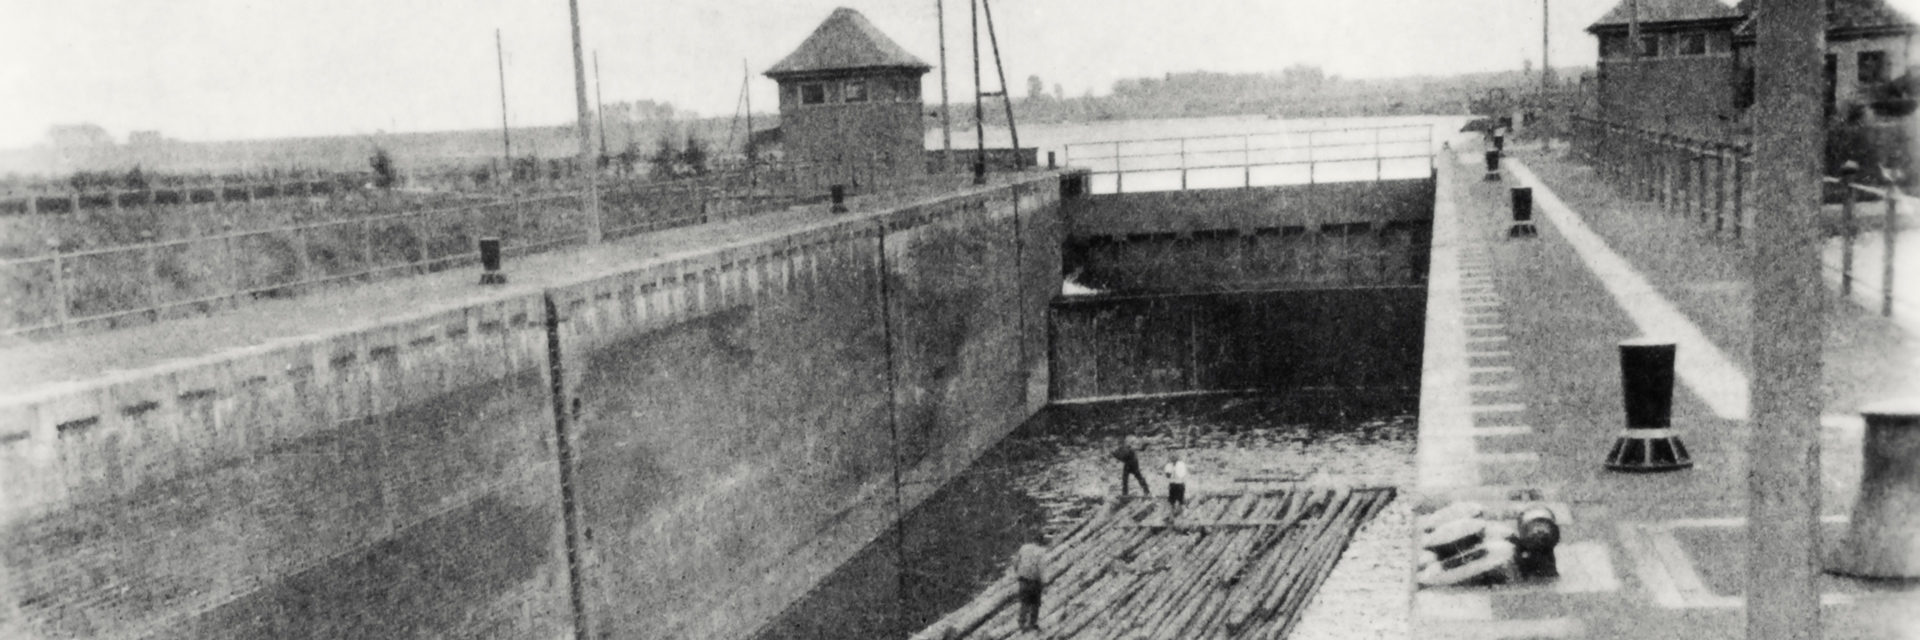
x: 1493, y: 166
x: 490, y: 262
x: 1883, y: 534
x: 1649, y: 442
x: 1522, y: 226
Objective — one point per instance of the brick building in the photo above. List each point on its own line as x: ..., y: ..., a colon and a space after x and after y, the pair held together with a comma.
x: 1695, y: 74
x: 849, y: 94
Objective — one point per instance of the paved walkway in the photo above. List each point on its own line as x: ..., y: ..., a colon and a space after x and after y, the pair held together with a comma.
x: 33, y: 367
x: 1521, y: 403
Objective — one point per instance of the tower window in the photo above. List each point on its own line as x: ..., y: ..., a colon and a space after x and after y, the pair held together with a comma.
x: 1650, y: 46
x: 856, y: 91
x: 1873, y: 66
x: 1691, y: 44
x: 813, y: 93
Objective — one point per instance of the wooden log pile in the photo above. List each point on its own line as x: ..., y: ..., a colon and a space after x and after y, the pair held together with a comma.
x: 1238, y: 565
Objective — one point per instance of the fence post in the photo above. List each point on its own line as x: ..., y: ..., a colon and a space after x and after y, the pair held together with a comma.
x: 1246, y: 159
x: 1117, y: 175
x: 153, y: 281
x: 1739, y: 196
x: 1183, y: 164
x: 366, y: 247
x: 1379, y: 172
x: 1846, y: 231
x: 65, y: 312
x: 1719, y: 189
x: 305, y: 264
x: 1889, y: 231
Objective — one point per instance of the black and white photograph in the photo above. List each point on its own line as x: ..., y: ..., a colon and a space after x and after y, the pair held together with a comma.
x: 959, y: 320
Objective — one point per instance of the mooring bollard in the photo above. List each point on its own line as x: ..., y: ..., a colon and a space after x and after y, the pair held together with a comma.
x: 1536, y: 536
x: 1493, y: 166
x: 1522, y: 226
x: 1883, y: 535
x: 1646, y: 379
x: 490, y: 262
x: 839, y: 193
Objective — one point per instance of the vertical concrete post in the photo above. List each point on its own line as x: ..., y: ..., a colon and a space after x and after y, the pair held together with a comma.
x: 1789, y: 315
x: 64, y: 314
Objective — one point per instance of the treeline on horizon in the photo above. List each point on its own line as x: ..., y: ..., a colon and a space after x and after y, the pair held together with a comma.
x: 644, y: 129
x: 1296, y: 92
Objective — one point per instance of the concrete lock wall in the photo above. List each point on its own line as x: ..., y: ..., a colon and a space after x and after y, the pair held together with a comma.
x: 383, y: 481
x: 1359, y: 345
x: 1311, y: 236
x: 728, y: 426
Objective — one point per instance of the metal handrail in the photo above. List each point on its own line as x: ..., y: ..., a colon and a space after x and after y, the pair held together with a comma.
x: 1194, y: 152
x: 1422, y: 156
x: 1224, y: 136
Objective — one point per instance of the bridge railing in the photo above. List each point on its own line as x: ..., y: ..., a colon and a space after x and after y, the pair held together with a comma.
x: 134, y: 283
x: 1305, y: 156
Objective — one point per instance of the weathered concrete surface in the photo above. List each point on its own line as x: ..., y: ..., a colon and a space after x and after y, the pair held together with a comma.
x: 1359, y: 345
x: 1296, y: 236
x: 409, y: 477
x: 1249, y: 210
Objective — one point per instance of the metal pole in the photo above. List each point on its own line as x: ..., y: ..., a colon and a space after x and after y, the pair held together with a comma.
x: 979, y: 121
x: 946, y: 122
x: 1006, y: 96
x: 1546, y: 64
x: 1788, y: 305
x: 592, y: 195
x: 752, y: 176
x: 600, y: 104
x: 506, y: 139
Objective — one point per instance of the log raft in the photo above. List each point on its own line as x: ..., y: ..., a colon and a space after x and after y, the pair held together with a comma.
x: 1235, y: 565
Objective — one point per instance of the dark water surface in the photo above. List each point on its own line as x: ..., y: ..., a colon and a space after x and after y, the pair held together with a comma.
x: 1050, y: 472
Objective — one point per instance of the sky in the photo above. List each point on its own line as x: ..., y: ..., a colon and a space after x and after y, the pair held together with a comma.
x: 238, y: 69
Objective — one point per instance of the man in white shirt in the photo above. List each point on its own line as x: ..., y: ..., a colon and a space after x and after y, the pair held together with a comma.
x: 1176, y: 473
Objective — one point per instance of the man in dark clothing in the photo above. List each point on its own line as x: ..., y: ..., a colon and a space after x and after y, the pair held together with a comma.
x: 1030, y: 566
x: 1130, y: 467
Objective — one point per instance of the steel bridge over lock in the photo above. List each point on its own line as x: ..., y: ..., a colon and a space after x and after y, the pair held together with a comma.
x: 1289, y: 262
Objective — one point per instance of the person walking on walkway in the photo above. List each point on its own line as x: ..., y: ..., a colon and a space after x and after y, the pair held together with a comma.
x: 1030, y: 565
x: 1176, y: 473
x: 1130, y: 467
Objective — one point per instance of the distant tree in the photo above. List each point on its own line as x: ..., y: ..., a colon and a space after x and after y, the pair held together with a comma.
x: 135, y: 180
x: 1059, y: 92
x: 1036, y: 90
x: 663, y: 159
x: 694, y: 156
x: 383, y: 172
x: 629, y: 157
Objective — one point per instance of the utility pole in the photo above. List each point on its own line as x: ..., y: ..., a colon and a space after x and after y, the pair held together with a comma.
x: 592, y: 195
x: 979, y: 122
x: 946, y: 123
x: 506, y: 138
x: 747, y: 78
x: 1006, y: 96
x: 1546, y: 60
x: 1789, y: 312
x: 600, y: 104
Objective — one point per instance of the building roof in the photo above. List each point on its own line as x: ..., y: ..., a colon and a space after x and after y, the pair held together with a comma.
x: 1666, y: 11
x: 1843, y: 16
x: 846, y: 41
